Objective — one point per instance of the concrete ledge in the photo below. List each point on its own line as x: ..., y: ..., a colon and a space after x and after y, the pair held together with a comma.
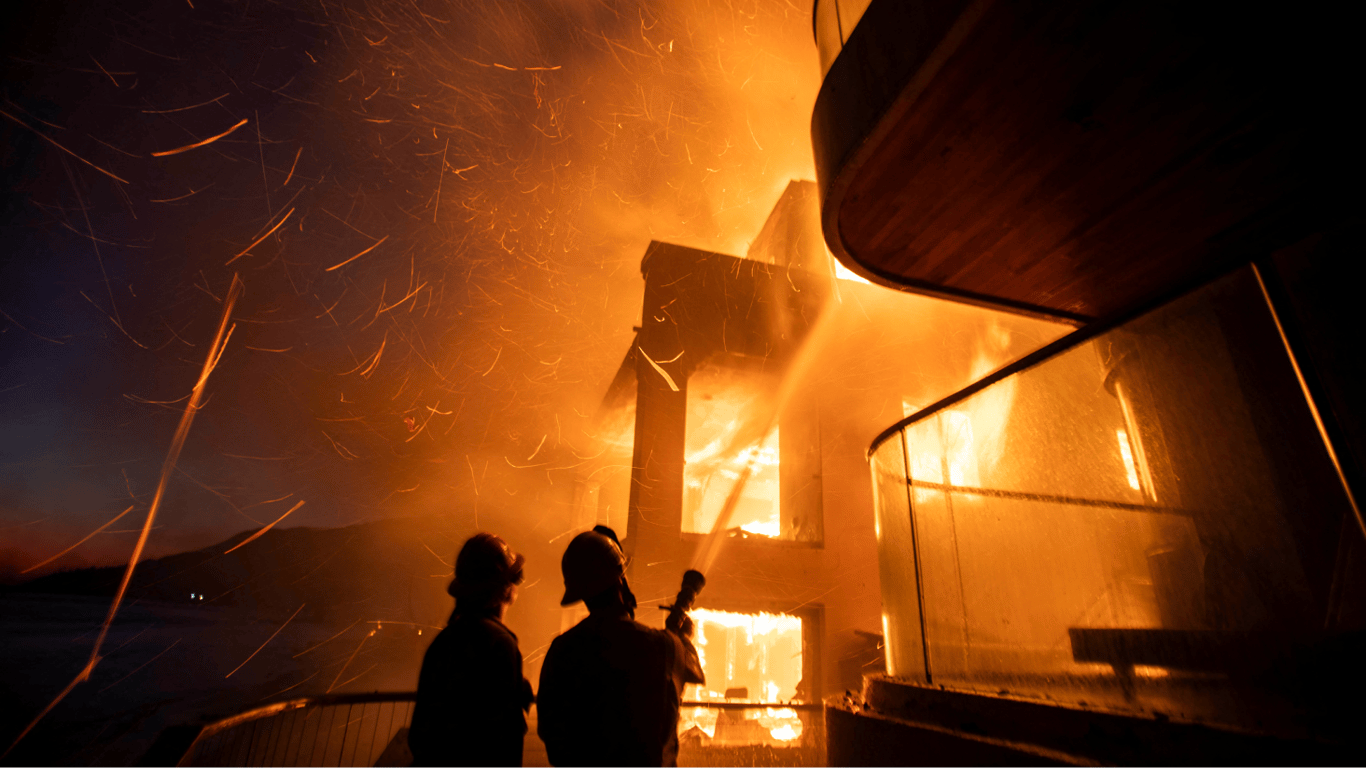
x: 862, y: 737
x: 1087, y: 735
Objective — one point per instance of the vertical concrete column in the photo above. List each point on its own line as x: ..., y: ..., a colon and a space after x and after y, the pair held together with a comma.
x: 656, y: 511
x: 653, y: 538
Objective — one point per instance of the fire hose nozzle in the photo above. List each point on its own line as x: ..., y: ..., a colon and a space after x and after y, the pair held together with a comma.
x: 693, y: 582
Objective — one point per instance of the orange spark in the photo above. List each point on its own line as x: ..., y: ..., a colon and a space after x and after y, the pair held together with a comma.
x: 268, y: 639
x: 495, y: 362
x: 64, y: 149
x: 77, y: 544
x: 257, y: 535
x: 113, y: 320
x: 440, y: 175
x: 198, y: 144
x: 172, y: 456
x: 259, y: 239
x: 667, y: 378
x: 357, y: 677
x: 293, y: 166
x: 268, y: 501
x: 22, y: 328
x: 411, y: 294
x: 290, y: 688
x: 357, y: 256
x: 182, y: 109
x: 348, y: 662
x: 182, y: 197
x: 325, y: 642
x: 375, y: 360
x: 144, y: 664
x: 105, y: 71
x: 434, y: 554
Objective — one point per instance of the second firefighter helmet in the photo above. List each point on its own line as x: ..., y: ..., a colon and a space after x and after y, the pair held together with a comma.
x: 592, y: 564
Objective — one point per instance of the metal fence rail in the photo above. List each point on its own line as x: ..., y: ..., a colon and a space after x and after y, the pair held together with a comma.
x: 363, y: 730
x: 340, y: 730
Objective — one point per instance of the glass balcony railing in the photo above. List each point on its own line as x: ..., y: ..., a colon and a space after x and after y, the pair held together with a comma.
x: 1147, y: 520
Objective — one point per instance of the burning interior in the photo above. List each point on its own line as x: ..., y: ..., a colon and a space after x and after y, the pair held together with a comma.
x: 725, y: 441
x: 752, y: 658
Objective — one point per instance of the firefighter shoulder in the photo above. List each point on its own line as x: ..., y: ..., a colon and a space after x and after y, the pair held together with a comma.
x: 471, y: 696
x: 611, y: 687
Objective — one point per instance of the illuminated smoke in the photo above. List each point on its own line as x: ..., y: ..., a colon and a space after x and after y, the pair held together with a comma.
x: 439, y: 211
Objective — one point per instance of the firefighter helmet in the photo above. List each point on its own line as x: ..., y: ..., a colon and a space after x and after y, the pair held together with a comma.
x: 592, y: 563
x: 486, y: 562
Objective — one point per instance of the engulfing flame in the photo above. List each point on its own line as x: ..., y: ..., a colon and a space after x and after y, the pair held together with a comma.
x: 759, y: 652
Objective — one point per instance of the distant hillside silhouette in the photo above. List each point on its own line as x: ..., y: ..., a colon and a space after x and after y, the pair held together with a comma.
x: 389, y: 568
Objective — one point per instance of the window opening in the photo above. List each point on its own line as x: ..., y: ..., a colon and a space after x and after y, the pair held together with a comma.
x: 727, y: 411
x: 747, y: 657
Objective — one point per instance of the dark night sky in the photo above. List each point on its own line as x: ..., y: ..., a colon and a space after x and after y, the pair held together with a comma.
x: 507, y: 163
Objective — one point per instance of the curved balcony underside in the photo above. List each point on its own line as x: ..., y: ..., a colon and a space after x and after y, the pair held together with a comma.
x: 1077, y: 158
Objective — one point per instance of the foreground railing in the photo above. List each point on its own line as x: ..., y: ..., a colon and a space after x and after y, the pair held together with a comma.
x: 371, y: 729
x: 345, y: 729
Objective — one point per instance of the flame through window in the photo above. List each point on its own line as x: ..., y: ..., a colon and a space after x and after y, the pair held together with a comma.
x: 753, y: 657
x: 725, y: 407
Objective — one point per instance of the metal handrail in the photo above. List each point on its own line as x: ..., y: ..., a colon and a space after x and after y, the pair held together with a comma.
x: 280, y: 707
x: 178, y: 745
x: 307, y: 701
x: 1055, y: 348
x: 801, y: 706
x: 269, y: 735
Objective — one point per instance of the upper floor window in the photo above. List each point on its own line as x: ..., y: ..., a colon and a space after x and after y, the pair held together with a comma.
x: 733, y: 438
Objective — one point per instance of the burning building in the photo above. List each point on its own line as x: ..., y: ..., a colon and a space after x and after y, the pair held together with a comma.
x: 1142, y: 542
x: 736, y: 427
x: 1109, y: 407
